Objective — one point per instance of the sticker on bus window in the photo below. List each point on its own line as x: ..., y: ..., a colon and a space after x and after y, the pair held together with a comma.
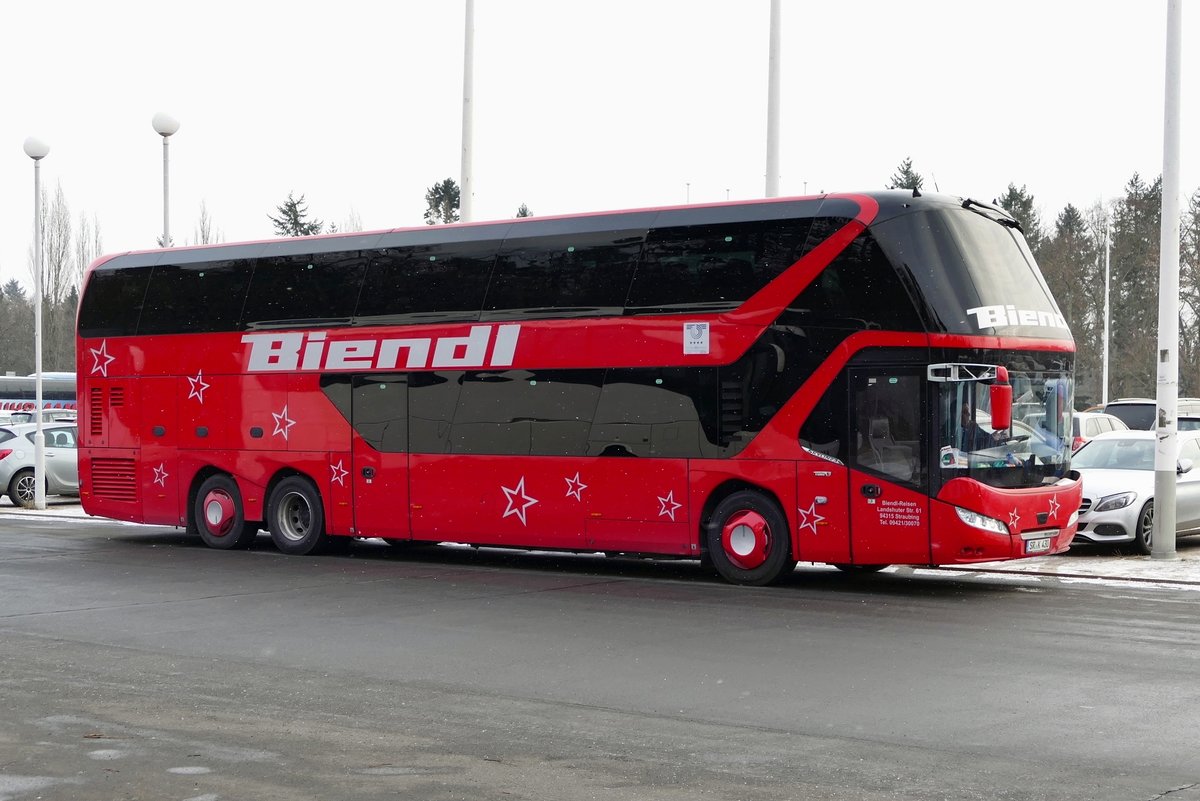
x: 695, y: 337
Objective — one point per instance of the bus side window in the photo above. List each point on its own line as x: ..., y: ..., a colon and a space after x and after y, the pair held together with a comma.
x: 825, y: 429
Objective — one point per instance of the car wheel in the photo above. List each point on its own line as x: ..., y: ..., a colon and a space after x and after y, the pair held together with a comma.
x: 747, y: 540
x: 218, y: 515
x: 296, y: 517
x: 1143, y: 536
x: 22, y: 489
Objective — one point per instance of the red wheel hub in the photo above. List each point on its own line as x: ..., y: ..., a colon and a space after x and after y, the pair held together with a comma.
x: 746, y: 539
x: 219, y: 512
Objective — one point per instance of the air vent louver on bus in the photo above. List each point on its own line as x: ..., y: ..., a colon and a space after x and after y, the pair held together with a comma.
x: 96, y: 411
x: 114, y: 479
x: 733, y: 409
x: 116, y: 396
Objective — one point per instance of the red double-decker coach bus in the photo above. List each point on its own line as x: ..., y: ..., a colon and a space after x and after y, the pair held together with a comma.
x: 859, y: 379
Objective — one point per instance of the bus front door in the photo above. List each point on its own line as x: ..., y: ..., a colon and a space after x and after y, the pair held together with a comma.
x: 889, y: 500
x: 379, y: 463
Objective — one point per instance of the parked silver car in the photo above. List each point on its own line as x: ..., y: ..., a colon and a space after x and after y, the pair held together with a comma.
x: 16, y: 461
x: 1118, y: 487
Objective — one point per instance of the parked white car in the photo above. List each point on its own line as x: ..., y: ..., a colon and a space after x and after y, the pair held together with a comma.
x: 1086, y: 425
x: 16, y: 461
x: 1118, y: 487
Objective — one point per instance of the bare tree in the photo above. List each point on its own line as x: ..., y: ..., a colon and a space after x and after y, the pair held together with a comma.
x: 88, y: 246
x: 205, y: 233
x: 352, y: 223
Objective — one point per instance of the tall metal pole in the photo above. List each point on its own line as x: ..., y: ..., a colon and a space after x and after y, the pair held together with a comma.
x: 1166, y: 443
x: 1107, y: 247
x: 166, y: 125
x: 37, y: 151
x: 166, y: 240
x: 773, y: 104
x: 468, y: 114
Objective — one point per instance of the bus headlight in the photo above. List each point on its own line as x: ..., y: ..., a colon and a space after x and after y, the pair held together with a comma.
x: 1118, y: 501
x: 976, y: 520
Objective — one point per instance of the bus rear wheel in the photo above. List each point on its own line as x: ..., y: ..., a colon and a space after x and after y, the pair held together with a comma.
x: 219, y: 517
x: 748, y: 541
x: 296, y: 517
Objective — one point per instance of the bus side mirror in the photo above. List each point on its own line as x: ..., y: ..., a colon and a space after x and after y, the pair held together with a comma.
x: 1001, y: 397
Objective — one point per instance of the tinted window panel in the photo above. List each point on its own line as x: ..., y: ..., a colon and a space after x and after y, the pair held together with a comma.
x: 668, y: 412
x: 965, y: 261
x: 381, y: 411
x: 713, y: 268
x: 563, y: 276
x: 195, y: 298
x: 519, y: 412
x: 439, y: 283
x: 859, y: 290
x: 113, y: 301
x: 432, y: 399
x: 304, y: 289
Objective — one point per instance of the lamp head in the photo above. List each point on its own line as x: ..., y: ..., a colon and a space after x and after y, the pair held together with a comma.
x: 36, y: 149
x: 165, y: 124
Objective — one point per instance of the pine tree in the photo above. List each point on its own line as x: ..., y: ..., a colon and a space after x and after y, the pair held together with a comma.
x: 906, y: 178
x: 1019, y: 203
x: 442, y: 200
x: 524, y: 211
x: 292, y: 219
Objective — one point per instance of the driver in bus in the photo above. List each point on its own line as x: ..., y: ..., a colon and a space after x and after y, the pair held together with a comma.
x: 972, y: 436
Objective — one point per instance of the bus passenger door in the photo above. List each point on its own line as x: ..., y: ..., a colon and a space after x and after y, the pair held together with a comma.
x: 379, y: 456
x: 889, y: 472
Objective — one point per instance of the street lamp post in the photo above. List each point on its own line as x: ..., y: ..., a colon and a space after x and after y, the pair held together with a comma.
x: 37, y: 150
x: 165, y: 125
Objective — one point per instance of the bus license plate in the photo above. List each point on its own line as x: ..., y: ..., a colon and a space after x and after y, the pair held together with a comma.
x: 1037, y: 546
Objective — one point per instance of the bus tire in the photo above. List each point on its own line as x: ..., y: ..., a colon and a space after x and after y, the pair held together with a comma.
x: 748, y: 540
x: 296, y: 517
x: 22, y: 489
x: 218, y: 515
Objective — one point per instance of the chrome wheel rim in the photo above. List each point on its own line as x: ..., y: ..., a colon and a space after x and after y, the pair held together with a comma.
x: 294, y: 517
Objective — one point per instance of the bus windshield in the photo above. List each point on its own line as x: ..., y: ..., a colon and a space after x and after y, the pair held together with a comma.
x: 1035, y: 449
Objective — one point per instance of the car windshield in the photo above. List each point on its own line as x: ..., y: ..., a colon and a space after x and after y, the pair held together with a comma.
x: 1116, y: 454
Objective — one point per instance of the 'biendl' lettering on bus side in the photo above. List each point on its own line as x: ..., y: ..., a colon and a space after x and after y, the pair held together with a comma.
x: 311, y: 352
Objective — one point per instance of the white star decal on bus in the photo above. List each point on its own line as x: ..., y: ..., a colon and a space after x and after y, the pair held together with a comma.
x: 667, y: 505
x: 339, y: 473
x: 809, y: 517
x: 1054, y: 507
x: 101, y: 359
x: 1013, y: 518
x: 198, y: 387
x: 575, y: 487
x: 513, y: 507
x: 160, y: 475
x: 283, y: 423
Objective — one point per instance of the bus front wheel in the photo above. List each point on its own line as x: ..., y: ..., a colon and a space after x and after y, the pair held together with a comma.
x: 219, y: 517
x: 748, y: 541
x: 296, y: 517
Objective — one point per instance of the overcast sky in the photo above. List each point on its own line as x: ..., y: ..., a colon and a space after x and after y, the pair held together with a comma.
x: 579, y: 105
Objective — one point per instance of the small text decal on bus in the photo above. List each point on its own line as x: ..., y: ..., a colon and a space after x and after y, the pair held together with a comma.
x: 1001, y: 315
x: 311, y: 351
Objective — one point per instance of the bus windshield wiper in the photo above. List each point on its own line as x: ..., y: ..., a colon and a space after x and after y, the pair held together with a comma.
x: 997, y: 214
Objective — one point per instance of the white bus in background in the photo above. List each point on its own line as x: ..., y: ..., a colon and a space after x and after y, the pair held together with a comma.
x: 18, y: 397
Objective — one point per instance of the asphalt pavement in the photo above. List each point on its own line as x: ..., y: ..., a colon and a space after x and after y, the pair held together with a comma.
x: 1082, y: 562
